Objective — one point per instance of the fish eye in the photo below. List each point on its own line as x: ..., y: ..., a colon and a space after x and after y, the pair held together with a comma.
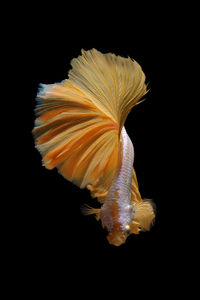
x: 127, y: 230
x: 127, y: 227
x: 133, y: 211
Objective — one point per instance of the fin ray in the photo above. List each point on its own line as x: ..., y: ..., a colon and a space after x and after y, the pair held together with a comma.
x: 79, y: 120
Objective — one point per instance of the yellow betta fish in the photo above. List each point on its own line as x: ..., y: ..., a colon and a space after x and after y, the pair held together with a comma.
x: 80, y: 130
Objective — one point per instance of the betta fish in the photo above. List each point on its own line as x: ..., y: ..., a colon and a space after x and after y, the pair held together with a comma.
x: 79, y: 129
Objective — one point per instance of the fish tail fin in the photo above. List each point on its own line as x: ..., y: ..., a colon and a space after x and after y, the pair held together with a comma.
x: 116, y: 84
x: 72, y: 134
x: 79, y: 120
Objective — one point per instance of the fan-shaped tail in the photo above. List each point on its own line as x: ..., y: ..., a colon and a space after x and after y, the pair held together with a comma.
x: 79, y: 120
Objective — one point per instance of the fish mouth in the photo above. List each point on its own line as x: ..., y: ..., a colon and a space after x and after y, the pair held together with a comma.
x: 117, y: 238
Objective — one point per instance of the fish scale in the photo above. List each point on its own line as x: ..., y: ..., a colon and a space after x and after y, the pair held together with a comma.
x: 120, y: 190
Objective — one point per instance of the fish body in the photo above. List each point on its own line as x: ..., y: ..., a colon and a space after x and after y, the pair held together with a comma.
x: 117, y: 211
x: 80, y: 130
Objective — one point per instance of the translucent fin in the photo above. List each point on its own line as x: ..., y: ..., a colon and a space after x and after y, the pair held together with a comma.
x: 144, y: 214
x: 115, y: 83
x: 135, y: 194
x: 79, y: 120
x: 75, y: 136
x: 135, y: 227
x: 144, y: 209
x: 88, y: 210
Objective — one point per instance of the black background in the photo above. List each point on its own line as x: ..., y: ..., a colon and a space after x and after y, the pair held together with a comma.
x: 53, y: 237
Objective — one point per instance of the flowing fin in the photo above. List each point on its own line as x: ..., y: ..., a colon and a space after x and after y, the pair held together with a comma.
x: 79, y: 120
x: 144, y: 209
x: 144, y: 214
x: 75, y: 136
x: 88, y: 210
x: 135, y: 194
x: 116, y: 84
